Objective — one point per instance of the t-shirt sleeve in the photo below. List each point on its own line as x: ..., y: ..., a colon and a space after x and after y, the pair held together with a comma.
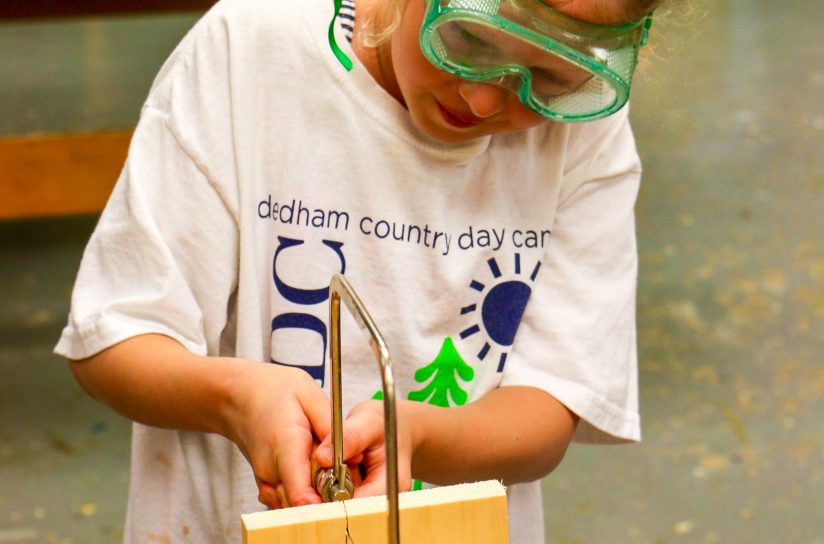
x: 163, y: 256
x: 577, y: 340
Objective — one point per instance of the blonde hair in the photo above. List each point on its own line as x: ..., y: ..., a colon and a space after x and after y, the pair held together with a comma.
x: 377, y: 23
x: 380, y: 20
x: 676, y: 27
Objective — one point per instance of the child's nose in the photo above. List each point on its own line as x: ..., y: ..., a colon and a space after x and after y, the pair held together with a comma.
x: 483, y: 99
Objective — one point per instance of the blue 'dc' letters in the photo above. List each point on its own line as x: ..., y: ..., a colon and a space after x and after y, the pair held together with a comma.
x: 303, y: 298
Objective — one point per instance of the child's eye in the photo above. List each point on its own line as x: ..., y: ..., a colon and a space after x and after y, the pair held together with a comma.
x: 464, y: 41
x: 547, y: 83
x: 473, y: 39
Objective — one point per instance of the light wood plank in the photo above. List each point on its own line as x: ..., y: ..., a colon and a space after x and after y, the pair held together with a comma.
x: 62, y: 8
x: 51, y: 175
x: 460, y: 514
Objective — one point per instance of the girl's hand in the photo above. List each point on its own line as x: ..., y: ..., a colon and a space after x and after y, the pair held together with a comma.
x: 363, y: 442
x: 276, y: 415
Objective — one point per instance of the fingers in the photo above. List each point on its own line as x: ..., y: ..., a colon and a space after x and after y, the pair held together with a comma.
x: 269, y: 497
x: 364, y: 444
x: 355, y: 473
x: 295, y: 472
x: 362, y: 431
x: 286, y: 480
x: 278, y: 436
x: 374, y: 479
x: 317, y: 408
x: 373, y: 484
x: 281, y: 495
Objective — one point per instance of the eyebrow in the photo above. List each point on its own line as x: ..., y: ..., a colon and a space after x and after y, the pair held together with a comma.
x: 565, y: 83
x: 550, y: 74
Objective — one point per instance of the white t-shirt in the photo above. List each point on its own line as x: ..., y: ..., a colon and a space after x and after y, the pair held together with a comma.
x: 260, y: 167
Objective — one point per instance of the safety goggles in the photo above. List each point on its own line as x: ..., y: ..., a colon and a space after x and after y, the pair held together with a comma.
x: 561, y: 68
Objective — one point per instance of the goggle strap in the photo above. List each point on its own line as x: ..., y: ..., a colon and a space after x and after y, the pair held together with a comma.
x: 344, y: 60
x: 647, y: 26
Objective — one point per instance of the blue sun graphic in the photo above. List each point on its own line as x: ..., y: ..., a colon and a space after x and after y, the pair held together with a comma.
x: 501, y: 309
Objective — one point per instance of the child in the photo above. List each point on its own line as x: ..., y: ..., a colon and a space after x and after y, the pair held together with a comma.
x: 440, y: 175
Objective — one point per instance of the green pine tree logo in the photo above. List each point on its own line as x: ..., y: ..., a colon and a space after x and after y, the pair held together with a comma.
x: 442, y: 377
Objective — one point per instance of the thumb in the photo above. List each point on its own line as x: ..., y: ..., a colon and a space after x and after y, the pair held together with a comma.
x: 362, y: 430
x: 324, y: 455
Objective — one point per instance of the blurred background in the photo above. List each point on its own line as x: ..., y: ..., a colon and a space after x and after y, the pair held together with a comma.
x: 729, y: 121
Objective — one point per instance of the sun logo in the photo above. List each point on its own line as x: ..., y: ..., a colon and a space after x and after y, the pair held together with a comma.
x: 501, y: 309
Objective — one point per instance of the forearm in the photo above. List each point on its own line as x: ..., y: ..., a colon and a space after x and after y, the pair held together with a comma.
x: 515, y: 434
x: 154, y: 380
x: 272, y: 413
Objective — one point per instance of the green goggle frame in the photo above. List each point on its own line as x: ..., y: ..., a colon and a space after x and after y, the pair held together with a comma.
x: 604, y: 57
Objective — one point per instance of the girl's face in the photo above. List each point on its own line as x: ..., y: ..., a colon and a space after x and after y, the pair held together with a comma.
x: 444, y: 106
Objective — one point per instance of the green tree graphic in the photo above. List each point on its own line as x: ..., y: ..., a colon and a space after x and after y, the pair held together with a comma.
x: 443, y: 384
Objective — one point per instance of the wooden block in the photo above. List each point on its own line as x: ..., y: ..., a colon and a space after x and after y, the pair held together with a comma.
x: 62, y: 8
x: 466, y: 513
x: 51, y: 175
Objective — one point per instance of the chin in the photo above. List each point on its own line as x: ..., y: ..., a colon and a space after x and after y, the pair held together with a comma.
x: 453, y: 137
x: 431, y: 122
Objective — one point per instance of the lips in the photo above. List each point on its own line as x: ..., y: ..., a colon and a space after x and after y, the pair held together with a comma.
x: 456, y: 119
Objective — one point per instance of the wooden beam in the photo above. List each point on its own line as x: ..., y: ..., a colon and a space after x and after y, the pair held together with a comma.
x: 17, y: 9
x: 43, y: 176
x: 459, y: 514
